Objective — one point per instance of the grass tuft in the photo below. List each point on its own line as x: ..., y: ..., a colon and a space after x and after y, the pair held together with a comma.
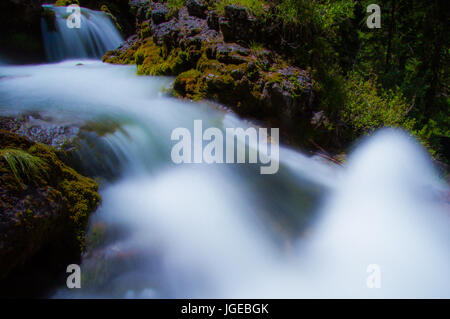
x: 23, y: 165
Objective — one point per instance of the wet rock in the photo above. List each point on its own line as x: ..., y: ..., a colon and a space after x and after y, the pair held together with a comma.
x: 41, y: 129
x: 237, y: 24
x: 213, y: 21
x: 212, y: 58
x: 319, y: 119
x: 159, y: 13
x: 230, y: 53
x: 196, y: 8
x: 166, y: 33
x: 44, y: 204
x: 125, y: 53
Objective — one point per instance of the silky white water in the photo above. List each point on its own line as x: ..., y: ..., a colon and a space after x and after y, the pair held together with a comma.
x: 219, y: 230
x: 223, y: 230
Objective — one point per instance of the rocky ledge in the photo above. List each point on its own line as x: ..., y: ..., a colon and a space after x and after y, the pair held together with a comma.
x: 219, y: 57
x: 44, y: 203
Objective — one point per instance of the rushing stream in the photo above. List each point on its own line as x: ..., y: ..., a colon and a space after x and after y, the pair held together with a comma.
x: 224, y: 230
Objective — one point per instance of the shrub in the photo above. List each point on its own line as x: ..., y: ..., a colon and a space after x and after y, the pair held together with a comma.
x: 256, y: 7
x: 368, y: 106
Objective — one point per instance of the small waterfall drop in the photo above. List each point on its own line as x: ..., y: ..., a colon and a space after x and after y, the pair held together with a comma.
x: 217, y: 231
x: 96, y: 34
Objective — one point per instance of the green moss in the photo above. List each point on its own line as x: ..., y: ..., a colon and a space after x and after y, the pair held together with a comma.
x: 114, y: 57
x: 152, y: 59
x: 102, y: 127
x: 79, y: 193
x: 274, y: 77
x: 205, y: 63
x: 105, y: 8
x: 56, y: 200
x: 65, y: 3
x: 147, y: 56
x: 188, y: 84
x: 174, y: 6
x: 256, y: 47
x: 145, y: 30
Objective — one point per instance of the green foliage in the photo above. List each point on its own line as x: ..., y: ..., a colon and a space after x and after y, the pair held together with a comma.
x: 256, y: 46
x: 321, y: 15
x: 256, y: 7
x: 368, y: 106
x: 175, y: 5
x: 23, y: 165
x: 363, y: 78
x: 433, y: 132
x: 369, y: 78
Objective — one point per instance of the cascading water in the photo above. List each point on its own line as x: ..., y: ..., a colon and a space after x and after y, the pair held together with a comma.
x: 95, y: 34
x: 199, y: 230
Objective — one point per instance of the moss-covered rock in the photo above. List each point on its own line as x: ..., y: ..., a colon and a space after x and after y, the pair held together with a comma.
x: 187, y: 84
x: 65, y: 3
x: 251, y: 79
x: 49, y: 207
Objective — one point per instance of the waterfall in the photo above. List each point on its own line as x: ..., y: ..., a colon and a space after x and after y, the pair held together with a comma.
x: 96, y: 34
x: 222, y: 230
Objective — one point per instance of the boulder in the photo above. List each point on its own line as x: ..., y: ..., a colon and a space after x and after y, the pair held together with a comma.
x: 159, y: 13
x: 213, y: 21
x: 196, y: 8
x: 44, y: 204
x: 238, y: 24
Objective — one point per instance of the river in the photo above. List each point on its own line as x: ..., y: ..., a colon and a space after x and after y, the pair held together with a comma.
x: 313, y: 229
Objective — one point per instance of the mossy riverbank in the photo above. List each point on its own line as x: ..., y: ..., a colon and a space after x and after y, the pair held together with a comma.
x: 302, y: 66
x: 45, y: 206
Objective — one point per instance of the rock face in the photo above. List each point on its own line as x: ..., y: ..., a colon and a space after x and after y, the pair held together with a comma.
x: 44, y: 204
x: 20, y: 38
x: 219, y: 57
x: 237, y: 24
x: 196, y: 8
x: 39, y: 129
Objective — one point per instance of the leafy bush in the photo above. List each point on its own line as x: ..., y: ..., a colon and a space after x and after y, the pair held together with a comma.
x: 174, y: 5
x: 321, y: 15
x: 256, y: 7
x: 368, y: 106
